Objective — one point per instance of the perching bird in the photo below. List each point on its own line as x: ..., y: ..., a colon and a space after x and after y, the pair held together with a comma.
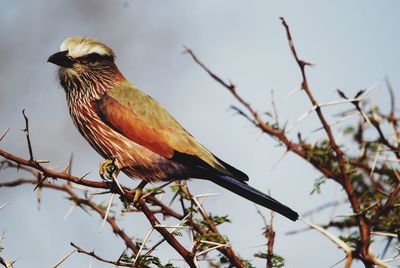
x: 123, y: 123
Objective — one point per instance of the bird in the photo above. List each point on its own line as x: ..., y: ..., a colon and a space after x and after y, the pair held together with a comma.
x: 133, y: 132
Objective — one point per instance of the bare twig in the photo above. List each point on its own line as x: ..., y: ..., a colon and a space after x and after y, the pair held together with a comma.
x: 97, y: 257
x: 26, y: 131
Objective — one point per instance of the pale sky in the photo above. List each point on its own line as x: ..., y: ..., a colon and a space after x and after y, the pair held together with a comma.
x: 354, y: 45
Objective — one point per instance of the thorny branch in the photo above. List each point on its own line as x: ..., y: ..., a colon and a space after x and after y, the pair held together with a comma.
x: 344, y: 178
x: 329, y: 159
x: 270, y: 235
x: 101, y: 259
x: 70, y: 187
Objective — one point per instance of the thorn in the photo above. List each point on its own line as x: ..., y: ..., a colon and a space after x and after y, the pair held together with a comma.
x: 81, y: 187
x: 114, y: 177
x: 308, y: 63
x: 279, y: 159
x: 339, y: 262
x: 186, y: 50
x: 156, y: 189
x: 143, y: 244
x: 63, y: 259
x: 378, y: 150
x: 107, y: 211
x: 398, y: 254
x: 396, y: 173
x: 42, y: 161
x: 338, y: 102
x: 40, y: 183
x: 365, y: 117
x: 101, y: 193
x: 70, y: 210
x: 330, y: 236
x: 210, y: 249
x: 5, y: 133
x: 292, y: 92
x: 206, y: 195
x: 301, y: 118
x: 84, y: 209
x: 173, y: 198
x: 341, y: 94
x: 387, y: 234
x: 81, y: 178
x: 359, y: 93
x: 371, y: 88
x: 69, y: 165
x: 337, y: 122
x: 172, y: 226
x: 196, y: 201
x: 386, y: 158
x: 212, y: 243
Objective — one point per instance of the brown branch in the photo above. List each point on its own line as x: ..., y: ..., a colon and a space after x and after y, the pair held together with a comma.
x: 270, y: 235
x: 51, y: 173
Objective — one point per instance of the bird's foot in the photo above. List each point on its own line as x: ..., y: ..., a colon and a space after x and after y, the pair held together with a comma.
x: 109, y: 172
x: 137, y: 194
x: 108, y: 169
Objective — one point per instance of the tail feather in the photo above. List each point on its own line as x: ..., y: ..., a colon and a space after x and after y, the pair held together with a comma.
x: 255, y: 196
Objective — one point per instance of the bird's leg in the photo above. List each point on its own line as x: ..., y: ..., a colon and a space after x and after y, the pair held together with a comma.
x: 108, y: 169
x: 138, y: 191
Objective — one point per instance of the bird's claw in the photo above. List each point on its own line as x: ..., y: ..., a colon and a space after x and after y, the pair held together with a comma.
x: 108, y: 169
x: 137, y: 194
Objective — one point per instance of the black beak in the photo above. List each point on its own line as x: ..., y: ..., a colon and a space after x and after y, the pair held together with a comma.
x: 61, y: 59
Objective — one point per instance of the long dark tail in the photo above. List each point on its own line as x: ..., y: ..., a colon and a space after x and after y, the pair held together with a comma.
x: 255, y: 196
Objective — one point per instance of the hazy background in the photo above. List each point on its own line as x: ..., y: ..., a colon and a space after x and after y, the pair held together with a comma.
x: 353, y: 44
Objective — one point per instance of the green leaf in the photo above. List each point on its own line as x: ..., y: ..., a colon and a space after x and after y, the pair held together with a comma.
x: 317, y: 185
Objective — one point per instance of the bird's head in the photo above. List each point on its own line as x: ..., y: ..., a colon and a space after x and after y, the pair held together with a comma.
x: 84, y: 64
x: 76, y: 50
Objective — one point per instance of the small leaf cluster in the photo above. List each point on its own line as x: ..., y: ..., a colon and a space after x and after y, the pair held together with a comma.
x: 277, y: 261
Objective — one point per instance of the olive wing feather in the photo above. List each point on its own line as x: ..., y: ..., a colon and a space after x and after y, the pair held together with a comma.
x: 140, y: 118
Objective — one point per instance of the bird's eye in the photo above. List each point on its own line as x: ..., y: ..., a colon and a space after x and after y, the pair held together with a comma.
x: 94, y: 56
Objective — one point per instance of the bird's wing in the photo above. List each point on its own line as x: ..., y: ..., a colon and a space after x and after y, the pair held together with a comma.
x: 141, y: 119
